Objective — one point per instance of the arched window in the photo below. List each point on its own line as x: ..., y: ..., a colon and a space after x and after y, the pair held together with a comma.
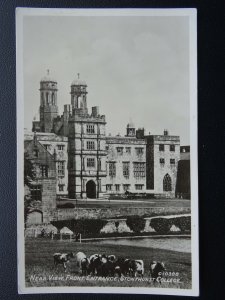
x: 167, y: 183
x: 53, y: 99
x: 42, y: 98
x: 47, y: 99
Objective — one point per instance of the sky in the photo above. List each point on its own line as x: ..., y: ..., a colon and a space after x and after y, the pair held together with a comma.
x: 136, y: 68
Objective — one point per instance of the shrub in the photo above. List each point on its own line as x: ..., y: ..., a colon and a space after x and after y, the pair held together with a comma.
x: 89, y: 226
x: 83, y: 226
x: 136, y: 223
x: 183, y: 223
x: 161, y: 225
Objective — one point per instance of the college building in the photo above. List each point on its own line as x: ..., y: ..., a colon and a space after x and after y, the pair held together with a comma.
x: 87, y: 162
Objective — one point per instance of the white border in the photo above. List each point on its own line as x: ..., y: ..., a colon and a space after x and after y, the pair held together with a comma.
x: 192, y: 14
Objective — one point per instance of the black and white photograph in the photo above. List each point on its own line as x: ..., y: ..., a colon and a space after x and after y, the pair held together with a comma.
x: 107, y: 187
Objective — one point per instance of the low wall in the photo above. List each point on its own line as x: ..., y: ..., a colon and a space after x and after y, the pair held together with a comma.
x: 105, y: 213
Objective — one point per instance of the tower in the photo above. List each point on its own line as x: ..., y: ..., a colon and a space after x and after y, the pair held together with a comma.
x: 86, y: 146
x: 130, y: 129
x: 48, y: 103
x: 79, y: 96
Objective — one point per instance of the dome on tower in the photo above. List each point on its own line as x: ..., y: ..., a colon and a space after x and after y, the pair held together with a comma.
x: 79, y: 81
x: 47, y: 78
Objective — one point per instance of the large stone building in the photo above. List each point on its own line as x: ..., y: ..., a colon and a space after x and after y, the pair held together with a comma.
x: 90, y: 164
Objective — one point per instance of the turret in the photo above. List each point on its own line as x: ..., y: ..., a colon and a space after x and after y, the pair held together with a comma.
x: 79, y: 96
x: 130, y: 129
x: 48, y: 103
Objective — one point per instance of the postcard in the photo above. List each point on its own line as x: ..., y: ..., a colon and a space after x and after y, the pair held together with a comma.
x: 107, y: 151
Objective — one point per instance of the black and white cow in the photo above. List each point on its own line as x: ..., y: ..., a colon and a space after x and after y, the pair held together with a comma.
x: 155, y: 270
x: 82, y: 262
x: 62, y: 258
x: 138, y: 267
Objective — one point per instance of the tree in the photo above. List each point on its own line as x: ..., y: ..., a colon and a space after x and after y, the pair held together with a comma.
x: 29, y: 169
x: 29, y: 175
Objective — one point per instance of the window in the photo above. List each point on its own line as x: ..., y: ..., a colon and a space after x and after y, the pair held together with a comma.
x: 139, y: 151
x: 139, y: 186
x: 167, y: 184
x: 128, y: 150
x: 53, y: 99
x: 139, y: 169
x: 42, y: 98
x: 108, y: 187
x: 61, y: 168
x: 44, y: 170
x: 36, y: 152
x: 60, y: 147
x: 126, y: 187
x: 162, y: 161
x: 90, y: 129
x: 91, y: 162
x: 90, y: 145
x: 117, y: 187
x: 35, y: 191
x: 112, y: 169
x: 161, y: 147
x: 172, y: 148
x: 119, y: 150
x: 172, y: 161
x: 99, y: 164
x: 126, y: 169
x: 61, y: 187
x: 47, y: 99
x: 46, y: 146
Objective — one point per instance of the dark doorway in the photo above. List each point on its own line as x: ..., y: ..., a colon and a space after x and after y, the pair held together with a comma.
x: 91, y: 189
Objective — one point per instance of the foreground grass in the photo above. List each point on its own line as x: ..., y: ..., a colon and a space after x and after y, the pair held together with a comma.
x: 40, y: 270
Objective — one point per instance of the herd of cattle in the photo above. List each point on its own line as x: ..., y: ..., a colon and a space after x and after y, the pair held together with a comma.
x: 109, y: 265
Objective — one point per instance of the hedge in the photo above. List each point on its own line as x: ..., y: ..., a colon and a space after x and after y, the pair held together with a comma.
x: 136, y: 223
x: 161, y: 225
x: 83, y: 226
x: 66, y: 205
x: 183, y: 223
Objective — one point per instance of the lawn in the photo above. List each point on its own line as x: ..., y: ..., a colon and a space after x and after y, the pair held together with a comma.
x: 40, y: 270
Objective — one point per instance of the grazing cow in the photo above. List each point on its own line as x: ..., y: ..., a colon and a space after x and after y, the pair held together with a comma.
x: 139, y: 268
x: 79, y: 257
x: 95, y: 264
x: 85, y: 264
x: 62, y: 258
x: 156, y: 268
x: 122, y: 266
x: 111, y: 258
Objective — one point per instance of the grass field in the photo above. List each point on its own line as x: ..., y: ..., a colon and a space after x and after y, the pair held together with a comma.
x: 40, y: 270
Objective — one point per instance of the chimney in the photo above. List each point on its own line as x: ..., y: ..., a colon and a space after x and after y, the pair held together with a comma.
x: 95, y: 111
x: 140, y: 133
x: 166, y: 132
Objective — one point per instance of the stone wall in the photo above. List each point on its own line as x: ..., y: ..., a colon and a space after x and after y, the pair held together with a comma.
x: 106, y: 213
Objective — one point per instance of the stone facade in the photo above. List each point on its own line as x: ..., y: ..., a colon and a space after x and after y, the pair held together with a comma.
x: 96, y: 164
x: 162, y: 156
x: 42, y: 188
x: 126, y: 165
x: 57, y: 146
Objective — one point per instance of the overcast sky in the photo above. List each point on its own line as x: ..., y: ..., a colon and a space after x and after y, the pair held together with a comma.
x: 136, y: 68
